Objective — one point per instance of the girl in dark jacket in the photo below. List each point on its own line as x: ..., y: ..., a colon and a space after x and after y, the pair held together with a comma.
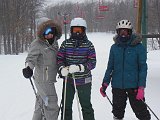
x: 77, y: 57
x: 127, y: 71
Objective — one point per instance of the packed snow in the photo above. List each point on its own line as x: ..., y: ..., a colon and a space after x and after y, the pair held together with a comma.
x: 17, y: 96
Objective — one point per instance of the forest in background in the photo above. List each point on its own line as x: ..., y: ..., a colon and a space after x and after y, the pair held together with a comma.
x: 18, y: 19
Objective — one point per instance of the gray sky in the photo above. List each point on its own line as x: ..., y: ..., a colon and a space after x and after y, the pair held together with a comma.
x: 49, y: 2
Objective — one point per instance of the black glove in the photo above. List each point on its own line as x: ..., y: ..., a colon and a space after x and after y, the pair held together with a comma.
x: 27, y: 72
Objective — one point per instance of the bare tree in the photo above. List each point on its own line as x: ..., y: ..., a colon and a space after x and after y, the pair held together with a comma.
x: 17, y: 18
x: 154, y: 20
x: 17, y: 22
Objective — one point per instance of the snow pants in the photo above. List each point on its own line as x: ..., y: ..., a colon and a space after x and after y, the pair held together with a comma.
x: 119, y: 104
x: 84, y: 94
x: 46, y: 101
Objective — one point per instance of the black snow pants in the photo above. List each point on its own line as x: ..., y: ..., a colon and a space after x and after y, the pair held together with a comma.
x: 119, y: 104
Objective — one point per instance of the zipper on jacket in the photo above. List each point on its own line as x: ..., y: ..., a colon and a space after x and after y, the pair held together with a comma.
x: 46, y: 73
x: 123, y: 68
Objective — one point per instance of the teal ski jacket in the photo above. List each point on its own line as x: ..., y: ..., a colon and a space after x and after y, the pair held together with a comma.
x: 127, y: 67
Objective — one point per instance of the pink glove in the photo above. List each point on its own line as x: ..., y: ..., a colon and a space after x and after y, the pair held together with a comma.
x: 103, y: 89
x: 140, y: 93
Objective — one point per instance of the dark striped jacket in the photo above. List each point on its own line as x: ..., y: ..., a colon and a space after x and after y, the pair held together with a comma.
x: 78, y: 52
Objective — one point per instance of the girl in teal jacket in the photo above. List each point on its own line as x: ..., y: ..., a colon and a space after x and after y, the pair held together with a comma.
x: 127, y: 64
x: 127, y: 71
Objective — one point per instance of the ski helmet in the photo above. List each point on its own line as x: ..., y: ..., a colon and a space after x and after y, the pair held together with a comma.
x: 124, y: 24
x: 78, y: 22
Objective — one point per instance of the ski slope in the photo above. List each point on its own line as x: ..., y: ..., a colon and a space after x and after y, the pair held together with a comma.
x: 17, y: 96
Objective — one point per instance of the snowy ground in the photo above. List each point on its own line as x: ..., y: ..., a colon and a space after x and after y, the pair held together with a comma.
x: 17, y: 97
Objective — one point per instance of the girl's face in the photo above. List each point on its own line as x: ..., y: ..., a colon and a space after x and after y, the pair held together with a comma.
x: 123, y: 32
x: 49, y: 36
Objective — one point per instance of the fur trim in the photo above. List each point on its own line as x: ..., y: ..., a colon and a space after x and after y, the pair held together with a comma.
x: 48, y: 23
x: 115, y: 38
x: 136, y: 39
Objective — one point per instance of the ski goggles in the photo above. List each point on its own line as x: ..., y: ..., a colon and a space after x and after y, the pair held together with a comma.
x: 48, y: 31
x: 77, y: 30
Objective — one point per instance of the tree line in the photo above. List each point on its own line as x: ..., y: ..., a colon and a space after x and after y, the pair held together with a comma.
x: 17, y: 24
x: 18, y: 18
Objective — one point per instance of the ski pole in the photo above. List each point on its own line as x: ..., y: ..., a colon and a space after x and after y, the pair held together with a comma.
x: 42, y: 110
x: 77, y: 96
x: 109, y: 100
x: 65, y: 81
x: 60, y: 106
x: 64, y: 97
x: 150, y: 109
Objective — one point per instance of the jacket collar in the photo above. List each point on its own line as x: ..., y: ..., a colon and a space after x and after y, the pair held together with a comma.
x: 134, y: 40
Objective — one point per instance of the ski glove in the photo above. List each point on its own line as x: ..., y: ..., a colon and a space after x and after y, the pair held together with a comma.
x: 27, y: 72
x: 63, y: 71
x: 76, y: 68
x: 140, y: 93
x: 103, y: 89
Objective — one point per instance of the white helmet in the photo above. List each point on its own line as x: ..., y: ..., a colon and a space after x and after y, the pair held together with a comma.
x: 124, y: 24
x: 78, y: 22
